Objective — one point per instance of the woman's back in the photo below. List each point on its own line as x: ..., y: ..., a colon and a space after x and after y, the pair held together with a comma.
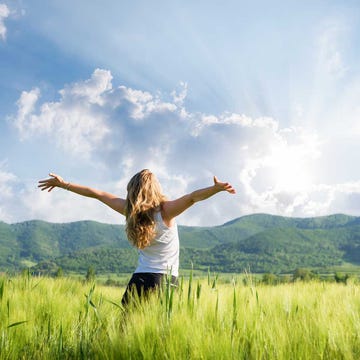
x: 162, y: 255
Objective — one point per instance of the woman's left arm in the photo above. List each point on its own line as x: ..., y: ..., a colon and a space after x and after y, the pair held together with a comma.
x: 116, y: 203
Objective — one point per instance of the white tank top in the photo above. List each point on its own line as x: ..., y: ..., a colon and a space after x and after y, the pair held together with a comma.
x: 162, y: 255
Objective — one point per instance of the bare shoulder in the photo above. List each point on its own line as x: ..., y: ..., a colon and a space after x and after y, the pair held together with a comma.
x: 164, y: 209
x: 113, y: 201
x: 172, y: 208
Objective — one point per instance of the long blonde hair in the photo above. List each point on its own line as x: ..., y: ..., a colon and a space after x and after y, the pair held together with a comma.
x: 144, y: 196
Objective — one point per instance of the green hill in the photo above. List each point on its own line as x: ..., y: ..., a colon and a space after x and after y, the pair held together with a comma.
x: 35, y: 241
x: 261, y: 242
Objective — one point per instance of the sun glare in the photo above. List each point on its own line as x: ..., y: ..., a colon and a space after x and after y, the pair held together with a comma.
x: 290, y: 170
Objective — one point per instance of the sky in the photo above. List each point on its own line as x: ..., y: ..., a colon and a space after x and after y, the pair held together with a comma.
x: 264, y: 95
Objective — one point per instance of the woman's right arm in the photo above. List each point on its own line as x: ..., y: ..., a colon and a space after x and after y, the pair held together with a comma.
x: 173, y: 208
x: 116, y: 203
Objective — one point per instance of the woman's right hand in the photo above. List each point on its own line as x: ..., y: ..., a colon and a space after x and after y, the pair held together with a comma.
x: 223, y: 186
x: 52, y: 182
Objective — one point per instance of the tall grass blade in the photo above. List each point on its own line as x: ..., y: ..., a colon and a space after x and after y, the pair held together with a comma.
x: 198, y: 290
x: 49, y: 329
x: 60, y: 342
x: 190, y: 284
x: 2, y: 288
x: 119, y: 306
x: 17, y: 323
x: 234, y: 315
x: 215, y: 281
x: 217, y: 306
x: 8, y: 309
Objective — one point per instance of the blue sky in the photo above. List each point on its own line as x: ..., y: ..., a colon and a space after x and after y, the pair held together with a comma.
x: 262, y: 94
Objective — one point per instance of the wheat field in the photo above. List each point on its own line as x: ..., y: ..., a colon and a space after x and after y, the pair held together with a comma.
x: 46, y: 318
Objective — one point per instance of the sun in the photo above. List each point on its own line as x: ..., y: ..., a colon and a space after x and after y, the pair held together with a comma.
x: 290, y: 168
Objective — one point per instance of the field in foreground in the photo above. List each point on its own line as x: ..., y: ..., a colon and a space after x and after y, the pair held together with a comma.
x: 44, y: 318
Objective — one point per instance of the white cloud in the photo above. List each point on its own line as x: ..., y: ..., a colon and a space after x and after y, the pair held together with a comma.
x: 26, y: 104
x: 274, y: 169
x: 330, y: 50
x: 91, y: 90
x: 180, y: 95
x: 74, y: 122
x: 80, y: 122
x: 8, y: 182
x: 4, y: 13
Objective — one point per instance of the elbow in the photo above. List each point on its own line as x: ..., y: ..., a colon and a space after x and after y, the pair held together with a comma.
x: 192, y: 199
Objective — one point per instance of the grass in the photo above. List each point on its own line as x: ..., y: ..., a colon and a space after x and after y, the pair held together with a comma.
x: 44, y: 318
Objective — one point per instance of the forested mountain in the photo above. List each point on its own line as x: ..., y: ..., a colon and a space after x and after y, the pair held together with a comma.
x: 263, y: 243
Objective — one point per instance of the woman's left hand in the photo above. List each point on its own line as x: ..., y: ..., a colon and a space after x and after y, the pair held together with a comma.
x: 52, y: 182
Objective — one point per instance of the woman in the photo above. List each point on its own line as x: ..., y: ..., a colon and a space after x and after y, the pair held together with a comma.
x: 150, y: 223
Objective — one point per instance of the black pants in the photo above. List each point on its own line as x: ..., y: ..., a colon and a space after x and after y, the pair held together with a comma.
x: 141, y: 284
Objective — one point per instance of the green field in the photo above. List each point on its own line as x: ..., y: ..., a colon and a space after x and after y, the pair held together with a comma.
x: 45, y: 318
